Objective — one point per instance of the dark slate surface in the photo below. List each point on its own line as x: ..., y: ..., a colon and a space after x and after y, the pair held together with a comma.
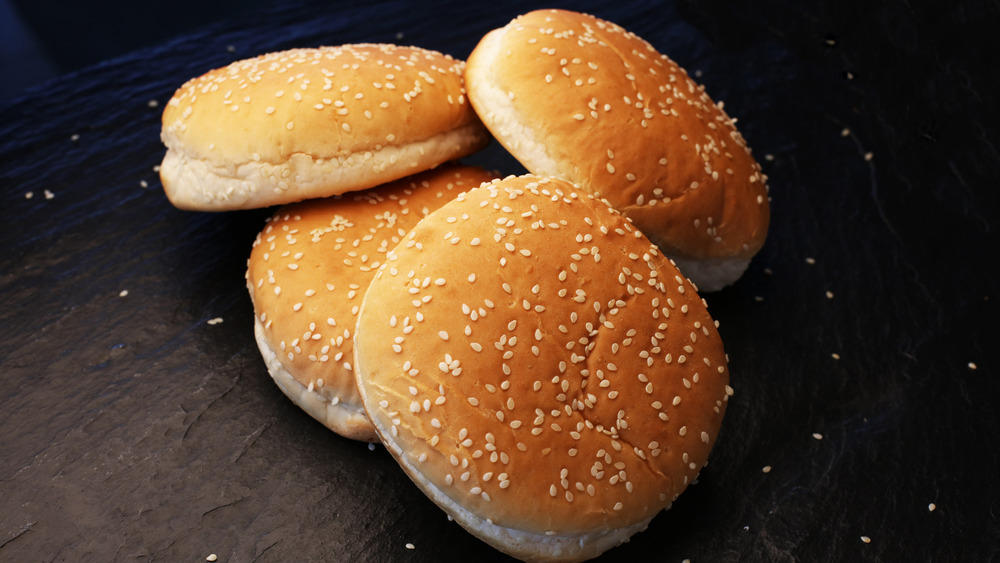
x: 135, y: 425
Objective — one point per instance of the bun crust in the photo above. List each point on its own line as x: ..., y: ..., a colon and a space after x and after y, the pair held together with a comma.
x: 579, y: 98
x: 313, y: 122
x: 307, y: 273
x: 540, y: 369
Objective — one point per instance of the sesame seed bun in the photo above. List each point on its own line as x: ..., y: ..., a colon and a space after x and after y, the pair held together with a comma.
x: 308, y: 271
x: 579, y: 98
x: 539, y: 369
x: 313, y: 122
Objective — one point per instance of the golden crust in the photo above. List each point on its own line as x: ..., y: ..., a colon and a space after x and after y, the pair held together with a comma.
x: 314, y: 122
x: 307, y: 274
x: 582, y: 99
x: 528, y: 354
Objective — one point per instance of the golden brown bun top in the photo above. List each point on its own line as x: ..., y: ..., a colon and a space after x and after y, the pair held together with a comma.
x: 326, y: 102
x: 538, y: 360
x: 626, y: 122
x: 311, y: 263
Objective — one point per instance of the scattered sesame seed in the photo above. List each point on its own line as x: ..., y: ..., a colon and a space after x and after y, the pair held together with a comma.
x: 211, y: 557
x: 49, y: 195
x: 410, y: 546
x: 866, y: 539
x: 29, y: 195
x: 766, y: 469
x: 123, y: 293
x: 869, y: 156
x: 835, y: 356
x: 153, y: 103
x: 931, y: 507
x: 810, y: 260
x: 74, y: 137
x: 215, y: 321
x: 972, y: 366
x: 817, y: 436
x: 829, y: 294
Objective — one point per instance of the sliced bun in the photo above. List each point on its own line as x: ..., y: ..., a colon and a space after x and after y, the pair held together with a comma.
x: 307, y: 274
x: 575, y: 97
x: 313, y: 122
x: 539, y: 369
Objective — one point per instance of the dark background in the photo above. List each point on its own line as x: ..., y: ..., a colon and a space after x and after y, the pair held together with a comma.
x: 132, y: 427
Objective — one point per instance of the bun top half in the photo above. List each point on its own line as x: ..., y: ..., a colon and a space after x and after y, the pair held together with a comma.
x: 307, y: 274
x: 531, y: 358
x: 314, y: 122
x: 582, y: 99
